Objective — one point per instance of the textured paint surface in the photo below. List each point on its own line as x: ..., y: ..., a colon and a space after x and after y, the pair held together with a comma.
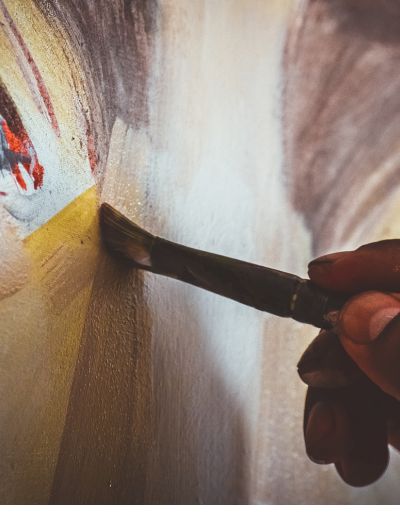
x: 120, y: 387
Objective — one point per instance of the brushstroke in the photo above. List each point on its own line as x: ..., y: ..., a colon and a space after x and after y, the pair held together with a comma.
x: 341, y: 109
x: 40, y: 85
x: 113, y: 44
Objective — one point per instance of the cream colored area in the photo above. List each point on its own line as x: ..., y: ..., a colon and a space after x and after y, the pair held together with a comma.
x: 389, y: 220
x: 216, y: 183
x: 129, y: 155
x: 65, y: 158
x: 41, y: 325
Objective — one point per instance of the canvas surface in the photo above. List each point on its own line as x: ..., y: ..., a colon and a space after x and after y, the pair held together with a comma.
x: 247, y: 128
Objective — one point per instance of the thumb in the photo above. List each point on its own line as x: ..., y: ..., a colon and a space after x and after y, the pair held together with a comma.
x: 369, y: 329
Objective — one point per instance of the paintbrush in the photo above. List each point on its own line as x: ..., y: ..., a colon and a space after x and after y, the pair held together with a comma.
x: 266, y: 289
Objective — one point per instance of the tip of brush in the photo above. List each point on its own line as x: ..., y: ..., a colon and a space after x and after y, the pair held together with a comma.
x: 125, y: 238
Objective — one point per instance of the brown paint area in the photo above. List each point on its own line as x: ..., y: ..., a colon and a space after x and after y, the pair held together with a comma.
x: 113, y: 43
x: 341, y: 107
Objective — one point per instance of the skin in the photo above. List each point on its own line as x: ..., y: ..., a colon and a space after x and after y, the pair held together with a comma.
x: 352, y: 426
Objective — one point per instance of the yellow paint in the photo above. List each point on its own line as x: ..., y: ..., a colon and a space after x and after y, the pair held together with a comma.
x: 41, y: 329
x: 64, y: 249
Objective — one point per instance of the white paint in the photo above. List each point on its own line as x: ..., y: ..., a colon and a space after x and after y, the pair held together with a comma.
x: 216, y: 183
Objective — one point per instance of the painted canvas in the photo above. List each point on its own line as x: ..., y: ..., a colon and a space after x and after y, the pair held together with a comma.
x: 266, y: 131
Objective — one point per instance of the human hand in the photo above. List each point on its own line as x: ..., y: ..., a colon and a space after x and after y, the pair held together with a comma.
x: 352, y: 409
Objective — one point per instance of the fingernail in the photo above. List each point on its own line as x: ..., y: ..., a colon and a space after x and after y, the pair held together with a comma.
x: 365, y: 317
x: 326, y: 260
x: 320, y: 265
x: 319, y: 431
x: 380, y: 320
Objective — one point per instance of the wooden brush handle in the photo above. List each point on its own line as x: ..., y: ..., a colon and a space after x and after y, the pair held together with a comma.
x: 279, y: 293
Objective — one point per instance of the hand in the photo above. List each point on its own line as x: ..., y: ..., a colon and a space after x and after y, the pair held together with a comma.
x: 352, y: 409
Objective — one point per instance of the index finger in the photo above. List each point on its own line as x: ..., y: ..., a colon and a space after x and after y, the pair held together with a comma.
x: 374, y: 266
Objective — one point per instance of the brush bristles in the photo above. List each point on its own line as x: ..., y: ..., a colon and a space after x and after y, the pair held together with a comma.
x: 125, y: 237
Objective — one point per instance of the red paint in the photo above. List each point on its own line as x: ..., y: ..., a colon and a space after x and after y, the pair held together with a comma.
x: 2, y: 193
x: 35, y: 70
x: 21, y: 144
x: 91, y: 149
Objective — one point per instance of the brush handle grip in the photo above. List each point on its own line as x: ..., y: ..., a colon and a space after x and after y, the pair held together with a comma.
x: 279, y: 293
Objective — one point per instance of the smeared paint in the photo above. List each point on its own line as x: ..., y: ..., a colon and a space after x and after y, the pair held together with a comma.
x: 91, y: 149
x: 18, y: 157
x: 341, y: 110
x: 21, y: 152
x: 41, y: 87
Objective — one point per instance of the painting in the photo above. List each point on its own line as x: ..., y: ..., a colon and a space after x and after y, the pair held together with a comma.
x: 265, y: 131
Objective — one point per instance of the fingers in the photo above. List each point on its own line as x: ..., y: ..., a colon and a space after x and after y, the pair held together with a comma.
x: 347, y: 426
x: 373, y: 266
x: 367, y: 456
x: 325, y: 363
x: 326, y: 431
x: 369, y: 329
x: 351, y: 426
